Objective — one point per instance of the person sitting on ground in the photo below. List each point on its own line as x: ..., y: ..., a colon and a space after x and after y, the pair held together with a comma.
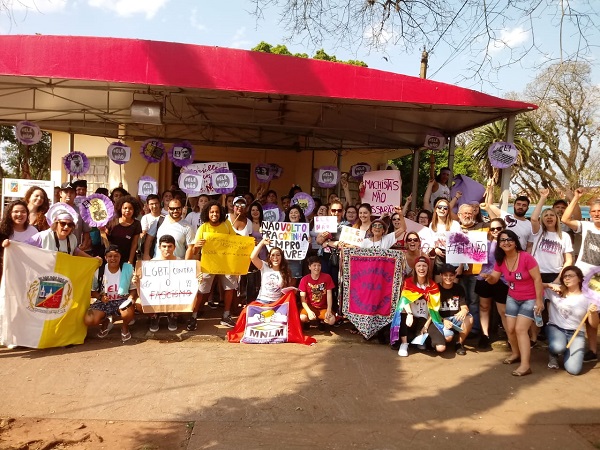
x: 454, y: 309
x: 568, y: 306
x: 114, y: 292
x: 316, y: 295
x: 275, y: 273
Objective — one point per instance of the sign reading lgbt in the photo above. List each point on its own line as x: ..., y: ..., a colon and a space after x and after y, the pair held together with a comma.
x: 383, y: 191
x: 292, y: 238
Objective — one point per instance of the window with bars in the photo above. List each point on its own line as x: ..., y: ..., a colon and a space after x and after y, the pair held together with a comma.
x: 97, y: 176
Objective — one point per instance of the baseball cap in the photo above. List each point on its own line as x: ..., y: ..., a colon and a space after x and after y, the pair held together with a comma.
x: 66, y: 185
x: 239, y: 199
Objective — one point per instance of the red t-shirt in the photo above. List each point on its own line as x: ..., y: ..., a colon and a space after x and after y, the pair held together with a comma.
x: 316, y: 290
x: 520, y: 283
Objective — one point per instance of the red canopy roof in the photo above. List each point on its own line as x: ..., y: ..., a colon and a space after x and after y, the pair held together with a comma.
x: 225, y: 96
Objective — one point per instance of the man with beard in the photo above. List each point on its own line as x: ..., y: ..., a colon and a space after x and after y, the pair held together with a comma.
x: 468, y: 279
x: 517, y: 221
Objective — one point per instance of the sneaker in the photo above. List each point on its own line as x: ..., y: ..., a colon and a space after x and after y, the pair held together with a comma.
x: 192, y: 324
x: 154, y: 324
x: 110, y: 324
x: 213, y: 305
x: 172, y: 322
x: 553, y: 362
x: 403, y: 350
x: 460, y: 349
x: 228, y: 322
x: 484, y: 343
x: 590, y: 356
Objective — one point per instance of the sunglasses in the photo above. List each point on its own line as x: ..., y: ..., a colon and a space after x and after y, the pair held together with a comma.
x: 336, y: 210
x: 496, y: 228
x: 66, y: 224
x: 240, y: 205
x: 506, y: 240
x: 177, y: 208
x: 413, y: 240
x: 442, y: 208
x: 377, y: 225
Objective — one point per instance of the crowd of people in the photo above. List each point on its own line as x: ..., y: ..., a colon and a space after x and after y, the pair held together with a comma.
x: 531, y: 286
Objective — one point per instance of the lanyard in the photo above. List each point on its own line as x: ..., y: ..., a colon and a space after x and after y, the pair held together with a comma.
x: 56, y: 240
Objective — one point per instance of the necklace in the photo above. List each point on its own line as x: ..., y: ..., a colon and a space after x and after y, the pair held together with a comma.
x: 513, y: 265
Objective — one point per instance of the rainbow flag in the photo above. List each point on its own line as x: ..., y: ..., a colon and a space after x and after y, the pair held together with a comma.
x: 44, y: 296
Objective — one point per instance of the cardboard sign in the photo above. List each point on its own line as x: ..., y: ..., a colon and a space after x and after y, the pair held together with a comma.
x: 206, y: 170
x: 292, y: 238
x: 352, y: 236
x: 326, y: 223
x: 502, y: 154
x: 470, y: 247
x: 147, y: 187
x: 119, y: 153
x: 383, y: 191
x: 168, y: 285
x: 226, y: 254
x: 223, y: 182
x: 358, y: 171
x: 28, y: 133
x: 190, y: 183
x: 434, y: 142
x: 271, y: 215
x: 266, y: 324
x: 327, y: 176
x: 15, y: 189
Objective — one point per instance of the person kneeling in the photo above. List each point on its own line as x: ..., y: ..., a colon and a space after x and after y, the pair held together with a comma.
x: 454, y: 309
x: 114, y: 293
x: 316, y: 294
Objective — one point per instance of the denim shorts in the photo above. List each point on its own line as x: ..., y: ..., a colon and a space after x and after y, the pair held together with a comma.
x: 516, y: 308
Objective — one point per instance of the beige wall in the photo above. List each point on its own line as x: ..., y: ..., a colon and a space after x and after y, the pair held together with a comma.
x: 297, y: 166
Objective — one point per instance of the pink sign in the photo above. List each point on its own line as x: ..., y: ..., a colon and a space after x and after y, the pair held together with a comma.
x: 371, y: 285
x: 383, y: 191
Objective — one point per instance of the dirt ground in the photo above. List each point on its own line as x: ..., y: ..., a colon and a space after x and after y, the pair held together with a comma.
x: 193, y: 390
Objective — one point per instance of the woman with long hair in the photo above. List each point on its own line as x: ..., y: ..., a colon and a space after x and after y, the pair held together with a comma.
x: 124, y: 229
x: 275, y: 273
x: 364, y: 218
x: 568, y: 306
x: 424, y: 217
x: 15, y: 225
x: 441, y: 225
x: 295, y: 215
x: 351, y: 214
x: 413, y: 251
x: 525, y: 296
x: 486, y: 291
x: 397, y: 223
x: 379, y: 238
x: 38, y: 205
x: 417, y: 311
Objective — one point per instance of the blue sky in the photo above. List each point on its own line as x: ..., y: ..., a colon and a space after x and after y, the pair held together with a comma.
x: 231, y: 24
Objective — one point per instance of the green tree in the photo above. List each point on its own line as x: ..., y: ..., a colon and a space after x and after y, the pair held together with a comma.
x: 29, y: 162
x: 320, y: 54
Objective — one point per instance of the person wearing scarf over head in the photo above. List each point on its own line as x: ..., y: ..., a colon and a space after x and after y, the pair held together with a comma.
x: 417, y: 311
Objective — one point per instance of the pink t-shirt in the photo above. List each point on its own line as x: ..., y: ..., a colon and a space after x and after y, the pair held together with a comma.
x: 520, y: 283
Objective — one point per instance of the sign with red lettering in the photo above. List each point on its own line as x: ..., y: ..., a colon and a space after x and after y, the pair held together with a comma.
x: 292, y: 238
x: 383, y: 191
x: 168, y: 285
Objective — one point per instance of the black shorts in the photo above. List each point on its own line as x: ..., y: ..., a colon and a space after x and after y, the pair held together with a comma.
x: 496, y: 292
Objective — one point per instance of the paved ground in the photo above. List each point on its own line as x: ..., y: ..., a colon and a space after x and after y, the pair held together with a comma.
x: 193, y: 390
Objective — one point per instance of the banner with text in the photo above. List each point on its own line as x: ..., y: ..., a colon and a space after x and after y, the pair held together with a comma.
x: 383, y: 191
x: 352, y: 236
x: 226, y: 254
x: 292, y: 238
x: 470, y: 247
x: 206, y: 170
x: 168, y: 285
x: 325, y: 223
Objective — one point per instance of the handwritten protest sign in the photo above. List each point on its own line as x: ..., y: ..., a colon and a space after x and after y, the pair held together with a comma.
x: 226, y: 254
x: 292, y: 238
x: 206, y: 170
x: 168, y: 285
x: 271, y: 214
x: 325, y: 223
x: 353, y: 236
x: 470, y: 248
x: 383, y: 190
x: 427, y: 236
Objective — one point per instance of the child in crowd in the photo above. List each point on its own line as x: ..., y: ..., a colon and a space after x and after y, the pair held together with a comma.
x: 316, y: 294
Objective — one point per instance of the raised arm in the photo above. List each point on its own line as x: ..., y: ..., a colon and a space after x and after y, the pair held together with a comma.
x: 427, y: 197
x: 535, y: 216
x: 492, y: 209
x: 406, y: 205
x: 573, y: 224
x: 258, y: 263
x: 346, y: 188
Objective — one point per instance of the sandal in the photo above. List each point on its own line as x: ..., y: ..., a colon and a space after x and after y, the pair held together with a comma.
x: 511, y: 361
x: 516, y: 373
x: 125, y: 337
x: 104, y: 331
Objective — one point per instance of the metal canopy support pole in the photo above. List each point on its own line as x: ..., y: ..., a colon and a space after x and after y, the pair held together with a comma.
x: 506, y: 173
x: 415, y: 179
x: 339, y: 166
x: 71, y: 148
x: 451, y: 148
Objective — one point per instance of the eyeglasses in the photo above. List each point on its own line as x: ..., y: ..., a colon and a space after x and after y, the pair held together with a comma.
x: 506, y: 240
x: 413, y: 240
x: 240, y: 205
x: 569, y: 275
x: 336, y: 210
x: 377, y: 225
x: 496, y: 228
x: 177, y: 208
x: 442, y: 207
x: 66, y: 224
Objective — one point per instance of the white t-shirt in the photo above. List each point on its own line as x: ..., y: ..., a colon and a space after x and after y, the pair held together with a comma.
x: 110, y: 282
x: 147, y: 221
x: 386, y: 242
x: 246, y: 231
x: 566, y: 312
x: 442, y: 191
x: 589, y: 255
x: 181, y: 232
x: 270, y: 285
x: 549, y: 250
x: 194, y: 220
x: 441, y: 234
x: 522, y: 228
x: 22, y: 236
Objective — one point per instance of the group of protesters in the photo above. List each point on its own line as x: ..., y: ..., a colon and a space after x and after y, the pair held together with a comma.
x: 533, y: 273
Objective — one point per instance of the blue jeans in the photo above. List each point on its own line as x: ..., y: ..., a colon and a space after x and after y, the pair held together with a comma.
x: 516, y: 308
x: 468, y: 283
x: 557, y: 344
